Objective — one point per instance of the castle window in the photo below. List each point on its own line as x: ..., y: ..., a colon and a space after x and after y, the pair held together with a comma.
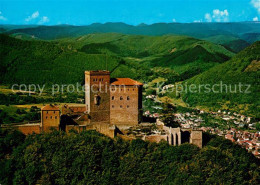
x: 102, y: 79
x: 121, y: 106
x: 97, y: 100
x: 113, y: 97
x: 51, y: 117
x: 113, y: 106
x: 127, y: 106
x: 93, y: 79
x: 121, y: 97
x: 46, y: 117
x: 55, y: 117
x: 47, y: 112
x: 128, y: 98
x: 133, y: 89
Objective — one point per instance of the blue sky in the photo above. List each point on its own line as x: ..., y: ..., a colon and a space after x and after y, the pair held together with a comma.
x: 84, y: 12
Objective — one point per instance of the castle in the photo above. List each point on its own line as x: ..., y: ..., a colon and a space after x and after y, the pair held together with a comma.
x: 111, y: 105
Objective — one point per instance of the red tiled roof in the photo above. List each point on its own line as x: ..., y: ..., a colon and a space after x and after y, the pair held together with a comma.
x: 124, y: 81
x: 50, y: 107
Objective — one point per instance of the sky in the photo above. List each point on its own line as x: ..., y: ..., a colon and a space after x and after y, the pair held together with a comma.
x: 134, y: 12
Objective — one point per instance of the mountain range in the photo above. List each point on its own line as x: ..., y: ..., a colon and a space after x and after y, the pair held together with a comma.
x: 237, y: 33
x: 195, y: 53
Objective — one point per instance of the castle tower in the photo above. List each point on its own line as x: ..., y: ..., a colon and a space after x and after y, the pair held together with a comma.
x: 125, y: 101
x: 50, y: 118
x: 97, y: 95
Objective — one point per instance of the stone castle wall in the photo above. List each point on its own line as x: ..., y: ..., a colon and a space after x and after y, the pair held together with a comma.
x: 29, y: 128
x: 124, y: 108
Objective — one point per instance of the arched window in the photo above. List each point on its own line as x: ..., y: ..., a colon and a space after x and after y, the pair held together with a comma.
x: 121, y: 106
x: 128, y: 98
x: 113, y: 106
x: 127, y: 106
x: 51, y: 117
x: 46, y: 117
x: 55, y: 117
x: 121, y: 97
x: 113, y: 97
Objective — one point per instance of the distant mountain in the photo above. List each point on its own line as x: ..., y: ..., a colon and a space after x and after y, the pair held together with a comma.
x: 242, y: 30
x: 230, y: 42
x: 243, y: 69
x: 251, y: 37
x: 64, y: 60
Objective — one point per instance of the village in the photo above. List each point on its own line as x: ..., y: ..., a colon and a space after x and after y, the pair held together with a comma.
x: 247, y: 138
x: 238, y: 128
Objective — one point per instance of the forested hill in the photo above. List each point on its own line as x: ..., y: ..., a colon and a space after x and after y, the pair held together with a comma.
x: 64, y: 61
x: 91, y: 158
x: 198, y: 30
x: 244, y: 68
x: 42, y: 62
x: 237, y: 35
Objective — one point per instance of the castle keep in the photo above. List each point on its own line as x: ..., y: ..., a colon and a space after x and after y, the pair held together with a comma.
x: 116, y: 101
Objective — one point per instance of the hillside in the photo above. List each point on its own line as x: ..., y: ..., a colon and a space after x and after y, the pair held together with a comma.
x: 244, y: 32
x: 42, y: 62
x: 244, y: 68
x: 176, y: 52
x: 124, y: 55
x: 198, y: 30
x: 89, y: 157
x: 230, y: 42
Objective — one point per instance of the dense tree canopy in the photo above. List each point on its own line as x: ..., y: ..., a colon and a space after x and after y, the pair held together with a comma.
x: 91, y: 158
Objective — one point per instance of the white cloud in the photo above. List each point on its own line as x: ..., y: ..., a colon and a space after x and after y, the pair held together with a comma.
x: 217, y: 16
x: 255, y: 19
x: 44, y: 19
x: 197, y: 20
x: 2, y: 18
x: 208, y: 17
x: 173, y: 20
x: 33, y: 16
x: 256, y: 5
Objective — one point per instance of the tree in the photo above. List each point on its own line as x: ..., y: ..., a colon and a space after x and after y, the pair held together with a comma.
x: 167, y: 115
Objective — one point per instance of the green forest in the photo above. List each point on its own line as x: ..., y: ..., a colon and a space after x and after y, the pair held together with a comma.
x: 173, y: 58
x: 242, y: 68
x: 92, y: 158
